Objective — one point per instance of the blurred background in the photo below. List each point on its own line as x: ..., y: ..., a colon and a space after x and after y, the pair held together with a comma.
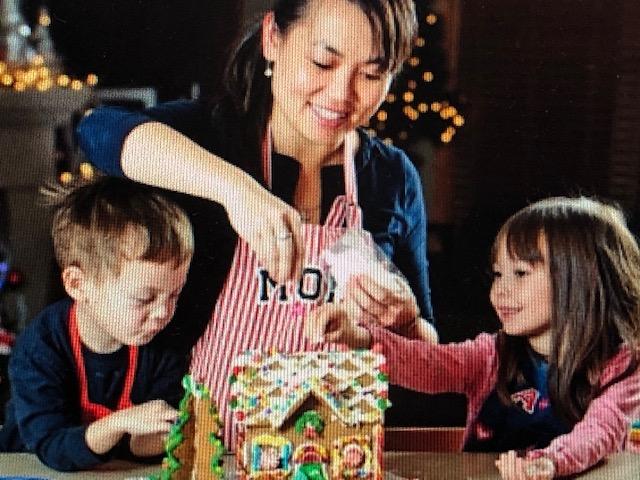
x: 502, y: 103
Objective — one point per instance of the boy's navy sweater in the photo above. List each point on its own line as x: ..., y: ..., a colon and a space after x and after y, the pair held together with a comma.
x: 43, y: 415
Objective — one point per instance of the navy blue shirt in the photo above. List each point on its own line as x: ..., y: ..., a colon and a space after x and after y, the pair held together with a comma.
x: 389, y: 193
x: 43, y: 415
x: 529, y: 423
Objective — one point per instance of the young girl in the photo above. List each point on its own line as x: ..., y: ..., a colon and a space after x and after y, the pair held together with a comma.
x: 559, y: 383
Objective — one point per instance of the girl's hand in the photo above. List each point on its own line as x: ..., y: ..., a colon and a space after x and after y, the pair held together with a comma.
x: 387, y: 300
x: 512, y: 467
x: 337, y: 323
x: 272, y: 228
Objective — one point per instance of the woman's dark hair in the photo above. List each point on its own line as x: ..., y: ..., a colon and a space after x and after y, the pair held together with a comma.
x: 594, y: 265
x: 393, y: 23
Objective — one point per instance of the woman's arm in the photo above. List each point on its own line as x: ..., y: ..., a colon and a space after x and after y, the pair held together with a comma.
x: 154, y: 153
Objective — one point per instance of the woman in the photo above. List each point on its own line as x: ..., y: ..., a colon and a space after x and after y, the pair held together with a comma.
x: 297, y: 88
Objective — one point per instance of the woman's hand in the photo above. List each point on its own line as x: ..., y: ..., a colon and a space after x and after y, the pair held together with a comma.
x: 272, y: 228
x: 512, y: 467
x: 336, y: 323
x: 386, y: 300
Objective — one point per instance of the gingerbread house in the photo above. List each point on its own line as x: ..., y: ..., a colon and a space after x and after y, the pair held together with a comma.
x: 194, y: 448
x: 311, y: 415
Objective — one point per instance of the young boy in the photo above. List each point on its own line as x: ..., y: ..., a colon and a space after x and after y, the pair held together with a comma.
x: 86, y: 386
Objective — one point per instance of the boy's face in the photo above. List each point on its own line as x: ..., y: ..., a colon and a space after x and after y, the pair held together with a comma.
x: 132, y: 307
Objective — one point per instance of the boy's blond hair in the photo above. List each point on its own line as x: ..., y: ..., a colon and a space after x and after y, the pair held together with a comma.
x: 99, y: 225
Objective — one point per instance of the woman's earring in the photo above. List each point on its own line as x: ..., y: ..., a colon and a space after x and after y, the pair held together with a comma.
x: 268, y: 70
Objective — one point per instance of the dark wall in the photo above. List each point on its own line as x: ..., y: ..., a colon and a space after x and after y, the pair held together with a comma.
x: 541, y: 80
x: 169, y: 45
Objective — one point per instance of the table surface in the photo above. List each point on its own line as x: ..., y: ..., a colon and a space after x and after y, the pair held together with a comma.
x: 398, y: 465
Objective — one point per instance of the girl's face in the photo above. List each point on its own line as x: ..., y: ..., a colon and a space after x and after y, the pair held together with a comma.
x: 326, y: 77
x: 521, y: 295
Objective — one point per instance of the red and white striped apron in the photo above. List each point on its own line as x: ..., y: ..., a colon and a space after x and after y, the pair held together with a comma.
x: 255, y: 313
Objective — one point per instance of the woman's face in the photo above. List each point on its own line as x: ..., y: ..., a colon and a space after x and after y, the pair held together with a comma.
x: 326, y: 78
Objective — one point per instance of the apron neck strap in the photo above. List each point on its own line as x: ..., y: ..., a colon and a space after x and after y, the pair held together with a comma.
x: 350, y: 148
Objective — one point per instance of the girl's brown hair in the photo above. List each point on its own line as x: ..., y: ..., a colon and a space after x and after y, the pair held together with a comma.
x: 594, y: 263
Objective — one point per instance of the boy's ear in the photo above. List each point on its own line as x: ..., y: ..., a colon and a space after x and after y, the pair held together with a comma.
x: 74, y: 279
x: 270, y: 37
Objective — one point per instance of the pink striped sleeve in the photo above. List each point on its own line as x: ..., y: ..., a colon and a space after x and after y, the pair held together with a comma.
x: 437, y: 368
x: 604, y: 428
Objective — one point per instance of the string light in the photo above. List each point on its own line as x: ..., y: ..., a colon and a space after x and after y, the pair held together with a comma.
x: 86, y: 171
x: 66, y: 178
x: 395, y: 122
x: 39, y: 77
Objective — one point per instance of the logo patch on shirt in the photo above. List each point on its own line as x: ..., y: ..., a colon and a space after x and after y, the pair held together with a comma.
x: 526, y: 399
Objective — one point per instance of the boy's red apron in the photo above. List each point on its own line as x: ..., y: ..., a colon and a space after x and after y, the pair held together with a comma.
x: 94, y: 411
x: 252, y: 313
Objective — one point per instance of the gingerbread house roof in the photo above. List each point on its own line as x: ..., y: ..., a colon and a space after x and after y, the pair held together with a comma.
x: 268, y: 388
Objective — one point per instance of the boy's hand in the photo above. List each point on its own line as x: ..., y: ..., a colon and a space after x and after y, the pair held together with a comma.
x: 337, y: 323
x: 155, y: 416
x: 512, y: 467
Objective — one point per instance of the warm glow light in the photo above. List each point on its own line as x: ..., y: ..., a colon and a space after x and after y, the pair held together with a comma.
x: 420, y: 42
x: 458, y: 120
x: 38, y: 60
x: 44, y: 20
x: 76, y: 85
x: 431, y: 19
x: 445, y: 138
x: 86, y: 170
x: 382, y: 115
x: 387, y: 141
x: 391, y: 98
x: 19, y: 86
x: 3, y: 67
x: 436, y: 106
x: 63, y: 80
x: 412, y: 84
x: 6, y: 80
x: 411, y: 113
x: 408, y: 97
x: 427, y: 76
x: 44, y: 71
x: 66, y: 178
x: 414, y: 61
x: 92, y: 79
x: 30, y: 76
x: 423, y: 107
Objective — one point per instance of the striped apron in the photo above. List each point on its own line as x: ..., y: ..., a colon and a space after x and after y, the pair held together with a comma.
x: 253, y: 312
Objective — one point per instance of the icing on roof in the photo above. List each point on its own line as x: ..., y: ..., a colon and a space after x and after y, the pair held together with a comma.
x: 267, y: 388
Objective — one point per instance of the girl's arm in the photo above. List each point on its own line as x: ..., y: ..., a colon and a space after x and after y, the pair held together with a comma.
x: 437, y: 368
x: 415, y: 364
x: 604, y: 428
